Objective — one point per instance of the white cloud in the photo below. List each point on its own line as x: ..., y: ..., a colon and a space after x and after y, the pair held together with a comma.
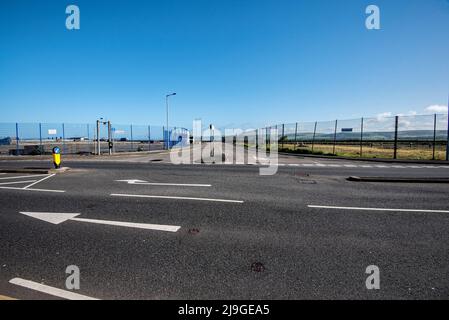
x: 436, y: 108
x: 383, y: 115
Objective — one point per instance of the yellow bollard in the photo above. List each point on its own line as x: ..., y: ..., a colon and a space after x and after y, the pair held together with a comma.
x: 56, y: 153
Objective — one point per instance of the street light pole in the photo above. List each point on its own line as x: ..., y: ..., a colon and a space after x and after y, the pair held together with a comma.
x: 167, y: 128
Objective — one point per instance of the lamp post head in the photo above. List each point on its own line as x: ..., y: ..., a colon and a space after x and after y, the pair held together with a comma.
x: 171, y: 94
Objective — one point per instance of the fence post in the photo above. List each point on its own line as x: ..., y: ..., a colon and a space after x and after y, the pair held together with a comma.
x: 396, y: 125
x: 447, y: 137
x: 361, y: 138
x: 88, y: 133
x: 63, y: 138
x: 296, y: 134
x: 149, y: 138
x: 283, y: 137
x: 132, y: 143
x: 40, y: 139
x: 314, y: 133
x: 267, y: 141
x: 257, y: 140
x: 17, y: 139
x: 164, y: 138
x: 98, y: 144
x: 335, y: 136
x: 434, y: 135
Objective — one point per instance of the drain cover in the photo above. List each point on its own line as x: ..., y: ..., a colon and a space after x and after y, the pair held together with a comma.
x: 194, y: 231
x: 258, y: 267
x: 307, y: 181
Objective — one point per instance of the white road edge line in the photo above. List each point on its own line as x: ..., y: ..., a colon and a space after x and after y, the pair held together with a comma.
x: 52, y: 175
x: 49, y: 290
x: 16, y: 182
x: 20, y: 177
x: 171, y: 197
x: 40, y: 190
x: 379, y: 209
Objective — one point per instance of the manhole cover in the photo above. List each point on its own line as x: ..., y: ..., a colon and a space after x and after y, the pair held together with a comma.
x: 306, y: 181
x: 258, y: 267
x: 194, y: 231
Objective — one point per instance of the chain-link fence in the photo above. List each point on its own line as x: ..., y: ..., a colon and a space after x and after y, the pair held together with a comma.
x: 40, y: 138
x: 400, y: 137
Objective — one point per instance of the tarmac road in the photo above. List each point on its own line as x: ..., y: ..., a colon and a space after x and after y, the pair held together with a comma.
x: 304, y: 233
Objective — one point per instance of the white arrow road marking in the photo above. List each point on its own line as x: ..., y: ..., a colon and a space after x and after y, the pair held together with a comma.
x: 379, y: 209
x: 49, y: 290
x: 170, y: 197
x: 57, y: 218
x: 141, y: 182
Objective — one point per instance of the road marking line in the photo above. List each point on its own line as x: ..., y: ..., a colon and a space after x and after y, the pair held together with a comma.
x: 159, y: 227
x: 20, y: 177
x: 40, y: 190
x: 49, y: 290
x: 140, y: 182
x: 16, y: 182
x: 379, y: 209
x: 52, y: 175
x: 175, y: 184
x: 58, y: 217
x: 171, y: 197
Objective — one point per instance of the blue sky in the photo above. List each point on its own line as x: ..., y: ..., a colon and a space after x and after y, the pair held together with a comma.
x: 231, y: 62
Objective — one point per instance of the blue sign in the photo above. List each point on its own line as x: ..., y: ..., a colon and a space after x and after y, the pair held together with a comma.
x: 56, y: 150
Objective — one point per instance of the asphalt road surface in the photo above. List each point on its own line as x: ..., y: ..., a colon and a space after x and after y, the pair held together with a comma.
x: 141, y: 228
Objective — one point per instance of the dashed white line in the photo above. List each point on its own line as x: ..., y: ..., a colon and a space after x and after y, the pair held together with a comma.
x: 49, y: 290
x: 172, y: 197
x: 322, y: 165
x: 379, y: 209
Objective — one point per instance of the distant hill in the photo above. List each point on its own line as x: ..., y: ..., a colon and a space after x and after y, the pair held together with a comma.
x: 418, y: 135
